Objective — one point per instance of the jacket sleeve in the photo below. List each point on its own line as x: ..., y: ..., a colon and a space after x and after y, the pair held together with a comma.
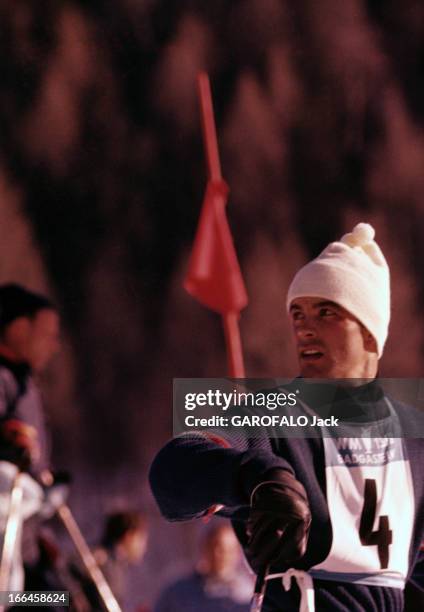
x: 414, y: 589
x: 417, y: 576
x: 196, y: 471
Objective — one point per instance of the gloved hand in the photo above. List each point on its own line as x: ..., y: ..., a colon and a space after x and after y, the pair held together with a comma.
x: 56, y: 491
x: 279, y: 521
x: 18, y: 443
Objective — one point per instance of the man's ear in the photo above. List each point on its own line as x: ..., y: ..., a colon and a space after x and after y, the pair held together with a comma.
x: 370, y: 343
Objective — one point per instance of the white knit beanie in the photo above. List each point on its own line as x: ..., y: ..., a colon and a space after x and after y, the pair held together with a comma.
x: 354, y: 274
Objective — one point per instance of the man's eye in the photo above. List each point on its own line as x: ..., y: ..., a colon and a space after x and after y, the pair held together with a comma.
x: 327, y: 312
x: 297, y: 315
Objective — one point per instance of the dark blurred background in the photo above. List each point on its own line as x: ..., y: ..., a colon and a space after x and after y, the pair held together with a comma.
x: 319, y: 109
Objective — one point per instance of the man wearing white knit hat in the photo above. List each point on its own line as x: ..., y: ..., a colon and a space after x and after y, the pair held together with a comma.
x: 334, y: 523
x: 347, y: 287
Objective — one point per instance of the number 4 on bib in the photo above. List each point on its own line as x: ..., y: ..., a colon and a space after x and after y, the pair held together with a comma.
x: 382, y: 538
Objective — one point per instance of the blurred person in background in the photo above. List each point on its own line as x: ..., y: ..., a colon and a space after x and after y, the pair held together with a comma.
x: 29, y: 338
x: 218, y: 584
x: 124, y: 543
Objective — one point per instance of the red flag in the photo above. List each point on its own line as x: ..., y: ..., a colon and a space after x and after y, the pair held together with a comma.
x: 214, y: 277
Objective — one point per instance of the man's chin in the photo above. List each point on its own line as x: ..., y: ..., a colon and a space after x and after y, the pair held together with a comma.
x: 315, y: 370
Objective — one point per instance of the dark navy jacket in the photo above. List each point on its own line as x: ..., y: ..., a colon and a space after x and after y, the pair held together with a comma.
x: 194, y: 472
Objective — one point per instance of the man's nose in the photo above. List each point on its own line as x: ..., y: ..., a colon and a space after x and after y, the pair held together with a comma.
x: 305, y: 330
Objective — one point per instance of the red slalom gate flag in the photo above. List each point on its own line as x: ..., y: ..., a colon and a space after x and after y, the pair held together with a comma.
x: 214, y: 277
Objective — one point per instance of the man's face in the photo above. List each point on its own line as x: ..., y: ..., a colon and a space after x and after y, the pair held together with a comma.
x: 43, y: 339
x: 34, y: 340
x: 330, y: 342
x: 222, y: 553
x: 134, y: 545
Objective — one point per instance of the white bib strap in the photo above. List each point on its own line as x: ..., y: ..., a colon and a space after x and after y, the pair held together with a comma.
x: 305, y: 584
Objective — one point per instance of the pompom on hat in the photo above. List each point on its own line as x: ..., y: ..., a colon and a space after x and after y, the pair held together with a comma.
x: 354, y: 274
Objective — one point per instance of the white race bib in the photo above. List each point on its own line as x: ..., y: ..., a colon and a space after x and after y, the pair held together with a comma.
x: 370, y: 498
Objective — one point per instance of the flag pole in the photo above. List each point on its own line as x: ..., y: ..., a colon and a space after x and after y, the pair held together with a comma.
x: 230, y: 320
x: 208, y: 126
